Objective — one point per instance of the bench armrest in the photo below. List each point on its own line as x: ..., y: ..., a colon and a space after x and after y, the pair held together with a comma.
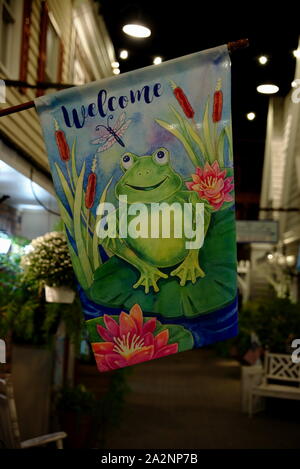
x: 43, y: 440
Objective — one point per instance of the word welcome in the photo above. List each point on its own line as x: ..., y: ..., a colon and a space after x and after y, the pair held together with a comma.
x: 154, y: 220
x: 107, y: 104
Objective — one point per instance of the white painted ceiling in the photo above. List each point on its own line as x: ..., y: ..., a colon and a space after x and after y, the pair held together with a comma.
x: 19, y: 188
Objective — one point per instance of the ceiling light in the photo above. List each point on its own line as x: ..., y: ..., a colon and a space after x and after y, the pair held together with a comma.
x: 263, y: 59
x: 115, y: 64
x: 296, y: 53
x: 251, y: 116
x: 123, y: 54
x: 294, y: 84
x: 267, y: 89
x: 157, y: 60
x: 136, y: 30
x: 116, y: 71
x: 290, y: 260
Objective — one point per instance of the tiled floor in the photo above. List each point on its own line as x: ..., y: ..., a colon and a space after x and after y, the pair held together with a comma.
x: 192, y: 400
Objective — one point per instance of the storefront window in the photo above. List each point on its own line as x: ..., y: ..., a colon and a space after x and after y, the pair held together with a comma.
x: 10, y: 30
x: 53, y: 48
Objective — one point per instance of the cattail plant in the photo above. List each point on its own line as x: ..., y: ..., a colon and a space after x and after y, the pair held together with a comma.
x: 90, y: 194
x: 183, y: 100
x: 63, y: 148
x: 217, y: 112
x: 218, y: 102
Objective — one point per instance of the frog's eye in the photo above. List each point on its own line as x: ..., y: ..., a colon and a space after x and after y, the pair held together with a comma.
x: 127, y: 161
x: 161, y: 156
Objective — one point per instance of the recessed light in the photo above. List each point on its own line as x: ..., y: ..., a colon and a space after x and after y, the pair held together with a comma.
x: 116, y: 71
x: 251, y: 116
x: 136, y: 30
x: 115, y: 64
x: 157, y: 60
x: 267, y: 89
x: 124, y: 54
x: 263, y: 59
x: 296, y: 53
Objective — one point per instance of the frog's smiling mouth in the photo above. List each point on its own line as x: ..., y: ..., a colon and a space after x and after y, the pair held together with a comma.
x: 147, y: 188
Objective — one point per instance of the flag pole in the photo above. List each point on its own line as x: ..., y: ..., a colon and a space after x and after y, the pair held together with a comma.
x: 232, y: 47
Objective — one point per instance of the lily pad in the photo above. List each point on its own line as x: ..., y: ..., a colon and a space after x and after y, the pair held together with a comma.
x: 114, y: 279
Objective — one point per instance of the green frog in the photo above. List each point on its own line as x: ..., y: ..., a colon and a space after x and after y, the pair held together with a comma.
x: 151, y: 179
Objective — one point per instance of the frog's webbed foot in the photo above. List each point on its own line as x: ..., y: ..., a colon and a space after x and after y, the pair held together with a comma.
x: 189, y: 269
x: 149, y: 277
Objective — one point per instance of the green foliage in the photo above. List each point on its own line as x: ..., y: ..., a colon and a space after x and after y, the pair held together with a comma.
x: 77, y: 399
x: 114, y: 400
x: 207, y: 144
x: 107, y: 411
x: 24, y: 311
x: 72, y: 316
x: 81, y: 224
x: 275, y: 321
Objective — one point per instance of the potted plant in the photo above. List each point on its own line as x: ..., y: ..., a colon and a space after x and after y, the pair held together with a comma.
x: 48, y: 264
x: 29, y: 325
x: 275, y: 321
x: 77, y: 408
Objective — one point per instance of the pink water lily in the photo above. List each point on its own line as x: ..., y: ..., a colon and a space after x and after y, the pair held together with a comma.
x: 131, y: 341
x: 212, y: 185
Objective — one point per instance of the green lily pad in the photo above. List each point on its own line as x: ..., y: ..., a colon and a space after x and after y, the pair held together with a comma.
x: 177, y: 334
x: 114, y: 279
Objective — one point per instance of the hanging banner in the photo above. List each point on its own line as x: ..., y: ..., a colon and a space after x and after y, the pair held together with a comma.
x: 143, y: 170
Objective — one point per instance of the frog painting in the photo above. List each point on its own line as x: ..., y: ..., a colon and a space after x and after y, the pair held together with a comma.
x: 149, y: 213
x: 146, y: 269
x: 146, y: 180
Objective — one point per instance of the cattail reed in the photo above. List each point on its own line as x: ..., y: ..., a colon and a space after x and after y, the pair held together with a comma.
x: 218, y: 102
x: 91, y: 187
x: 62, y: 144
x: 63, y: 148
x: 90, y: 194
x: 183, y: 100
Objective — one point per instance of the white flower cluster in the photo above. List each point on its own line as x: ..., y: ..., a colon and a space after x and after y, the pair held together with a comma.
x: 47, y: 259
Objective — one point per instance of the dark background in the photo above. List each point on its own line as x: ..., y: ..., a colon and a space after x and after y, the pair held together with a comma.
x: 186, y: 27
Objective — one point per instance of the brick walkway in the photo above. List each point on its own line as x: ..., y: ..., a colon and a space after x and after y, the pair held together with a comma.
x: 192, y: 400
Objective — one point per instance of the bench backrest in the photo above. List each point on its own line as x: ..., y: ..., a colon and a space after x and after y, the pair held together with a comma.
x: 279, y: 366
x: 9, y: 428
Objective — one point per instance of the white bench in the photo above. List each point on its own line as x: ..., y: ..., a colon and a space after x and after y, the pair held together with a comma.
x: 280, y: 368
x: 9, y: 426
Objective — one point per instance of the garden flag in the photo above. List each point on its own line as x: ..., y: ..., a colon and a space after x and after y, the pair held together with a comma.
x: 143, y: 171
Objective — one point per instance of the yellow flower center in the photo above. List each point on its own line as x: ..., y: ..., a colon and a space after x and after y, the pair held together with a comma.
x: 210, y: 182
x: 127, y: 345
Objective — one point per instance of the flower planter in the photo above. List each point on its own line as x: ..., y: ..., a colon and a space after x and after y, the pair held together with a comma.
x: 79, y: 428
x: 59, y: 294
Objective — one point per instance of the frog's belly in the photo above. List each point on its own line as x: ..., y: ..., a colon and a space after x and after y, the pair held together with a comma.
x: 163, y: 252
x: 159, y: 251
